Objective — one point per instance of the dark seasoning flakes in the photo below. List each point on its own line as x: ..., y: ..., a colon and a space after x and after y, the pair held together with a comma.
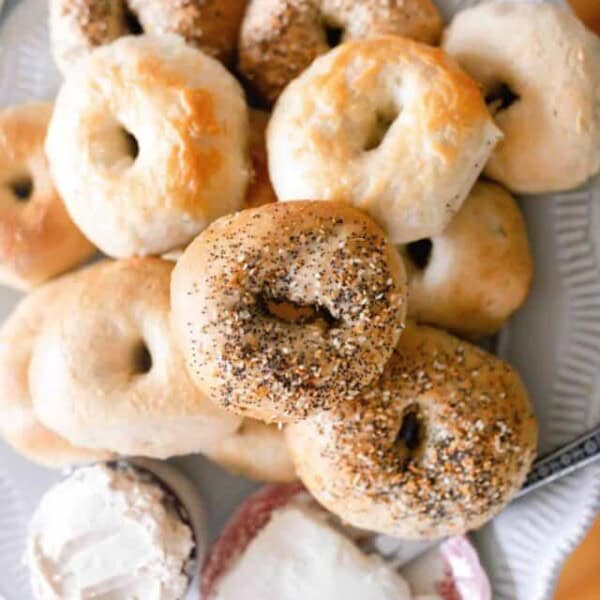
x: 92, y: 17
x: 465, y: 438
x: 337, y: 266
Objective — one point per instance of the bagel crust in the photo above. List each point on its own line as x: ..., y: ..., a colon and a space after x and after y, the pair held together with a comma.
x: 38, y: 240
x: 485, y: 245
x: 540, y: 71
x: 255, y: 450
x: 148, y: 144
x: 436, y: 448
x: 19, y: 425
x: 337, y: 271
x: 105, y: 372
x: 392, y: 126
x: 79, y: 26
x: 281, y: 38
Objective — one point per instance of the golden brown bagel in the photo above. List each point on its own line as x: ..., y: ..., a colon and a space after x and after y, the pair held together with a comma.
x: 38, y: 240
x: 477, y: 272
x: 435, y: 448
x: 148, y: 144
x: 387, y: 124
x: 343, y: 279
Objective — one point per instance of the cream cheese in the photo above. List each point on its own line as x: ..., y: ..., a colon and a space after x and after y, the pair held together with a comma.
x: 109, y: 534
x: 298, y: 555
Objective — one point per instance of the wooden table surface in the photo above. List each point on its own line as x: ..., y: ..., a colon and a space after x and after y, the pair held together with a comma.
x: 580, y: 579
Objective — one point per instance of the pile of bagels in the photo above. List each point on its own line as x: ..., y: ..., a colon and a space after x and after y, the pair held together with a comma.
x: 295, y: 289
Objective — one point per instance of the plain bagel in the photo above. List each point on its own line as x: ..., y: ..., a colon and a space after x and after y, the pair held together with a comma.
x: 105, y: 372
x: 328, y: 264
x: 280, y: 38
x: 38, y: 240
x: 19, y: 425
x: 540, y: 70
x: 477, y: 272
x: 387, y: 124
x: 148, y: 144
x: 436, y: 448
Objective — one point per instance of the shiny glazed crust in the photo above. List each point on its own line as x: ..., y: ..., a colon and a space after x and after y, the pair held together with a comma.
x: 328, y: 260
x: 188, y: 164
x: 392, y: 126
x: 38, y: 240
x: 448, y: 468
x: 280, y: 38
x: 479, y: 268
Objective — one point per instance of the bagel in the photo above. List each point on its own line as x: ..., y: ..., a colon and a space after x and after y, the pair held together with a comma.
x: 235, y: 286
x: 280, y: 38
x: 540, y: 71
x: 485, y: 245
x: 389, y: 125
x: 79, y: 26
x: 436, y: 448
x: 148, y: 144
x: 105, y: 373
x: 20, y: 426
x: 257, y: 451
x: 38, y: 240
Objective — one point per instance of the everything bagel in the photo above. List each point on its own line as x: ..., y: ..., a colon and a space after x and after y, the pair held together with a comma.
x: 79, y: 26
x: 326, y: 262
x: 435, y: 448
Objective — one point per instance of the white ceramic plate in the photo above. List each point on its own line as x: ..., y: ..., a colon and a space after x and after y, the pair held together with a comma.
x: 554, y: 341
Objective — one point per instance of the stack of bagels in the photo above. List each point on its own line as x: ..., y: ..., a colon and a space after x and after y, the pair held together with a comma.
x: 294, y: 289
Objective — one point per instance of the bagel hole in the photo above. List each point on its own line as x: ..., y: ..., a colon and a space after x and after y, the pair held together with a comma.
x: 296, y: 313
x: 133, y: 23
x: 383, y: 122
x: 132, y: 148
x: 501, y: 97
x: 141, y: 359
x: 333, y: 34
x: 419, y: 252
x: 410, y: 435
x: 22, y: 188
